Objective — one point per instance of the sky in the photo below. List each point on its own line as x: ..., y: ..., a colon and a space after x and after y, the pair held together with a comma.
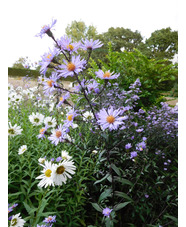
x: 25, y: 19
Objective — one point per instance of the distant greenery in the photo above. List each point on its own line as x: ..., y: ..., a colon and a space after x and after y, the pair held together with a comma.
x: 156, y: 76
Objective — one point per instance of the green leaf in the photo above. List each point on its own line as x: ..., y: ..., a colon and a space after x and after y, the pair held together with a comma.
x: 104, y: 194
x: 123, y: 181
x: 29, y: 209
x: 121, y: 205
x: 97, y: 207
x: 172, y: 218
x: 115, y: 169
x: 102, y: 179
x: 123, y: 195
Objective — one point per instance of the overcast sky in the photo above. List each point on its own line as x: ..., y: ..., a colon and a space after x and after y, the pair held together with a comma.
x: 25, y: 19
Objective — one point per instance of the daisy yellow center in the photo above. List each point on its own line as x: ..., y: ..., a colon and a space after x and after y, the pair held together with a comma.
x: 71, y: 66
x: 48, y: 173
x: 70, y: 47
x: 11, y: 131
x: 110, y: 119
x: 106, y: 75
x: 14, y: 222
x: 50, y: 82
x: 49, y: 123
x: 49, y: 56
x: 61, y: 99
x: 58, y: 134
x: 41, y: 130
x: 64, y: 157
x: 60, y: 170
x: 49, y: 218
x: 70, y: 117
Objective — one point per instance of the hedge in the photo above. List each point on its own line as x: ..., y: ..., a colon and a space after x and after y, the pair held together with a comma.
x: 15, y: 72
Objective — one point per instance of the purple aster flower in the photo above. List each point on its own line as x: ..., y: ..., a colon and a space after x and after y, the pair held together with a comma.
x: 141, y: 146
x: 133, y: 154
x: 90, y: 44
x: 57, y: 135
x: 66, y: 44
x: 47, y: 59
x: 58, y: 159
x: 50, y: 219
x: 93, y: 86
x: 42, y: 132
x: 132, y: 137
x: 107, y: 211
x: 49, y: 83
x: 169, y: 160
x: 70, y: 68
x: 128, y: 146
x: 146, y: 196
x: 165, y: 163
x: 70, y: 118
x: 144, y: 138
x: 139, y: 130
x: 106, y: 75
x: 165, y: 169
x: 10, y: 218
x: 10, y: 209
x: 46, y: 29
x: 52, y: 159
x: 63, y: 98
x: 110, y: 119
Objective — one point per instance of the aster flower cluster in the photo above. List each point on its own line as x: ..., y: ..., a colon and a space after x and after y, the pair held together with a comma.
x: 56, y: 172
x: 49, y: 221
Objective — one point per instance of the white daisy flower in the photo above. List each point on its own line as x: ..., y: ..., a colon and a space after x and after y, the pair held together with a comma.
x: 22, y: 149
x: 46, y: 179
x: 65, y: 155
x: 88, y: 116
x: 10, y: 87
x: 14, y: 130
x: 94, y: 152
x: 50, y: 122
x: 17, y: 221
x: 18, y: 98
x: 36, y: 118
x: 62, y: 172
x: 42, y: 160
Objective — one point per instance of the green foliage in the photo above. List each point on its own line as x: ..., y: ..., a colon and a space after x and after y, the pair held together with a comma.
x: 155, y: 76
x: 78, y: 30
x: 162, y: 44
x: 122, y: 38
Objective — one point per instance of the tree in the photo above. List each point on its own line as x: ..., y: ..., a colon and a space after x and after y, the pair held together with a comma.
x: 163, y: 44
x: 122, y: 38
x: 20, y: 63
x: 78, y: 30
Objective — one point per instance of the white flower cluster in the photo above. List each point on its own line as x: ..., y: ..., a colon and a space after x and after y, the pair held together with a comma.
x: 56, y: 173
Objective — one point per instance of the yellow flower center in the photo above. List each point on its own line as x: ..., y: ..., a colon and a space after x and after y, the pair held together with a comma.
x: 49, y: 56
x: 106, y: 75
x: 70, y: 117
x: 70, y: 46
x: 41, y: 130
x: 110, y: 119
x: 48, y: 173
x: 71, y: 66
x: 58, y: 134
x: 60, y: 170
x: 61, y: 99
x: 50, y: 82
